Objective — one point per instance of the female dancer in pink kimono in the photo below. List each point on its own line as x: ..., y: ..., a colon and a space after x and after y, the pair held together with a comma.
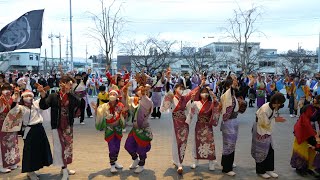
x: 177, y: 102
x: 207, y: 111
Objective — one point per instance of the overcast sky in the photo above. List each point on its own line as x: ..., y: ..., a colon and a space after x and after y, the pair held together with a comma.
x: 284, y: 22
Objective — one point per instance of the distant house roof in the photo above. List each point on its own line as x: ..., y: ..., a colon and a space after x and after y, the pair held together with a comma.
x: 230, y: 43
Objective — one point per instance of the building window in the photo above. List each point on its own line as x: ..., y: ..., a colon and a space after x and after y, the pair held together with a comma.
x: 30, y: 57
x: 223, y: 49
x: 306, y: 60
x: 227, y: 49
x: 184, y: 66
x: 219, y: 48
x: 267, y: 63
x: 37, y: 57
x: 18, y: 58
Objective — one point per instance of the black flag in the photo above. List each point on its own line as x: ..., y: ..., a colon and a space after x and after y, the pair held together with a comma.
x: 23, y: 33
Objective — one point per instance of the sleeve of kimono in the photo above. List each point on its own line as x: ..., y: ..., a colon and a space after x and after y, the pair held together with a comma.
x: 45, y: 103
x: 109, y: 76
x: 214, y: 119
x: 13, y: 123
x: 195, y: 91
x: 192, y: 110
x: 100, y: 117
x: 166, y: 102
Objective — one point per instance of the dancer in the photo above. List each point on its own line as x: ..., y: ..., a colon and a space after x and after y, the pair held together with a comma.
x: 229, y: 124
x: 79, y: 89
x: 157, y: 94
x: 36, y: 149
x: 63, y: 105
x: 261, y: 90
x: 112, y: 115
x: 262, y: 145
x: 305, y: 143
x: 177, y: 102
x: 139, y: 139
x: 9, y: 150
x: 208, y: 114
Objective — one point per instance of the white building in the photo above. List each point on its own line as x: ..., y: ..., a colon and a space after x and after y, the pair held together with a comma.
x: 21, y: 61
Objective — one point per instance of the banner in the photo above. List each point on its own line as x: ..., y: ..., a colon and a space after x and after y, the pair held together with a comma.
x: 23, y: 33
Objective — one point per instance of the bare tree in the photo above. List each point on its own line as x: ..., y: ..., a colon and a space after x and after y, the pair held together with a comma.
x: 297, y: 61
x: 150, y: 54
x: 201, y: 60
x: 241, y: 28
x: 108, y: 27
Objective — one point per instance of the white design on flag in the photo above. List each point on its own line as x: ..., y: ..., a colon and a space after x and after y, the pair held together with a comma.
x: 17, y: 33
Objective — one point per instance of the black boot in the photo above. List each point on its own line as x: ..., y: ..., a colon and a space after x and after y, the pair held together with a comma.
x: 158, y: 112
x: 154, y: 113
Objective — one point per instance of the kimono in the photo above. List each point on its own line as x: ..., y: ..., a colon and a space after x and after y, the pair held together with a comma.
x: 140, y: 137
x: 180, y: 130
x: 63, y: 107
x: 111, y: 119
x: 9, y: 150
x: 303, y: 95
x: 261, y: 93
x: 156, y: 97
x: 36, y: 149
x: 303, y: 157
x: 208, y: 116
x: 126, y: 77
x: 229, y: 128
x: 262, y: 146
x: 291, y: 95
x: 80, y: 91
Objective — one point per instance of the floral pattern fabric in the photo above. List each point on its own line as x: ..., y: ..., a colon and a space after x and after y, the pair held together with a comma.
x: 9, y: 145
x: 65, y: 132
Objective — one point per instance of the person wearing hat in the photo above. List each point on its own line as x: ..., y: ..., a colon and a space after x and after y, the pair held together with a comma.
x: 36, y: 148
x: 63, y: 105
x: 110, y: 117
x: 8, y: 140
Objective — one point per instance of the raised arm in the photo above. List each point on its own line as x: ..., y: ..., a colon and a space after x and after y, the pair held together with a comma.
x: 195, y: 91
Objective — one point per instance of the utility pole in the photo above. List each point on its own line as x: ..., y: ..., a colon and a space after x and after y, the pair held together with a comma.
x: 86, y: 56
x: 71, y: 43
x: 319, y: 54
x: 67, y: 54
x: 51, y: 37
x: 59, y: 37
x: 45, y: 62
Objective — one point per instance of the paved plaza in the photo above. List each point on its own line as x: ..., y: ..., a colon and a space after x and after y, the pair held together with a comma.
x: 91, y: 154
